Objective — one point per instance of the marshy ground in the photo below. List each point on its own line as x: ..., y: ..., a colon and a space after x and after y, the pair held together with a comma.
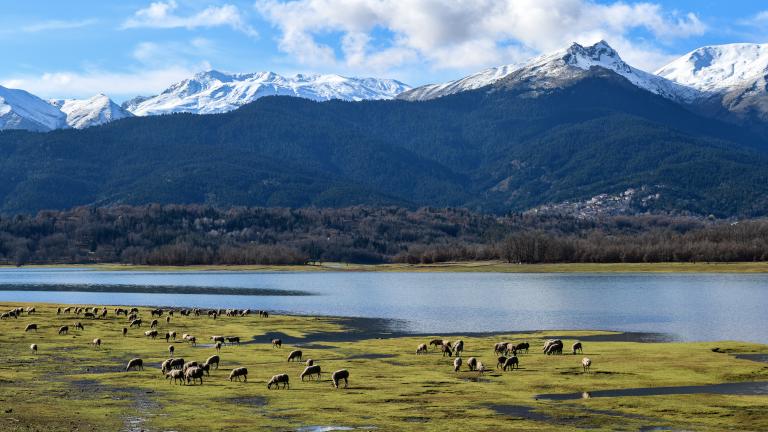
x: 70, y: 385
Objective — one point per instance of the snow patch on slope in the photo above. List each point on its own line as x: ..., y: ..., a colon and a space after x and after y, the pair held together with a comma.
x: 84, y: 113
x: 22, y: 110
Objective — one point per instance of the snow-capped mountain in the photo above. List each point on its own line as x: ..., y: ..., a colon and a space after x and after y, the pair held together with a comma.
x: 216, y: 92
x: 731, y: 76
x: 83, y: 113
x: 22, y: 110
x: 470, y: 82
x: 554, y: 69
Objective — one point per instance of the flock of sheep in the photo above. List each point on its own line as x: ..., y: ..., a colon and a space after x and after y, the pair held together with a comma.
x: 176, y: 369
x: 506, y: 351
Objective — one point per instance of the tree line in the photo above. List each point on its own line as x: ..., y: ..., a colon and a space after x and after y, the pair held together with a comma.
x: 195, y: 234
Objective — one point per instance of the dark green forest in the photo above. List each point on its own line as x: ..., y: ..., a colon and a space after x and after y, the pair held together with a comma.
x: 494, y: 150
x: 195, y: 234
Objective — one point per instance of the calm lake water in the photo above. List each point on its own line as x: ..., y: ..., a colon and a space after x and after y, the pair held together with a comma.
x: 687, y: 306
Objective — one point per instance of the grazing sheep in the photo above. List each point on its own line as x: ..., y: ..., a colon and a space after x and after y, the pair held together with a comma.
x: 5, y: 315
x: 30, y: 327
x: 134, y: 310
x: 457, y: 364
x: 217, y: 339
x: 586, y: 363
x: 239, y: 372
x: 135, y: 323
x: 79, y: 326
x: 30, y: 310
x: 153, y: 324
x: 500, y: 348
x: 500, y: 362
x: 577, y: 348
x: 103, y: 314
x: 33, y: 347
x: 553, y: 346
x: 194, y: 373
x: 151, y: 333
x: 176, y: 363
x: 167, y: 337
x: 67, y: 310
x: 234, y: 340
x: 310, y: 362
x: 156, y: 312
x: 458, y: 347
x: 165, y: 366
x: 175, y: 375
x: 447, y: 350
x: 480, y: 367
x: 339, y: 375
x: 421, y: 349
x: 125, y: 331
x: 309, y: 371
x: 218, y: 347
x: 171, y: 349
x: 295, y: 356
x: 89, y: 315
x: 277, y: 343
x: 135, y: 363
x: 510, y: 349
x: 173, y: 336
x: 206, y: 368
x: 512, y: 363
x: 213, y: 360
x: 63, y: 330
x: 192, y: 340
x: 472, y: 363
x: 188, y: 365
x: 436, y: 342
x: 96, y: 343
x: 277, y: 380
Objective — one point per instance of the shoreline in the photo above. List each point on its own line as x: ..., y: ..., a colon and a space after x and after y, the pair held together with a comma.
x: 448, y: 267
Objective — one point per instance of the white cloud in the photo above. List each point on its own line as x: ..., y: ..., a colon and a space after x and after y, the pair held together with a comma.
x: 119, y: 85
x: 161, y: 14
x: 57, y: 25
x: 468, y: 33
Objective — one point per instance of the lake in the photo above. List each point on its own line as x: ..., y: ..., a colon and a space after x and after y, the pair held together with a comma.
x: 691, y: 307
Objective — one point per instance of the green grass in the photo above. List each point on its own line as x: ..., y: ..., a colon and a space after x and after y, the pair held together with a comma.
x: 70, y: 384
x: 477, y: 266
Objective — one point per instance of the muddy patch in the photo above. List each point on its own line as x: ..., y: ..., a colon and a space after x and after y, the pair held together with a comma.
x: 740, y: 388
x: 253, y: 401
x: 762, y: 358
x: 521, y: 412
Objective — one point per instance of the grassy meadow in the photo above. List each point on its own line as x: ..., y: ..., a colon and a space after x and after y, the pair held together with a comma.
x: 71, y: 385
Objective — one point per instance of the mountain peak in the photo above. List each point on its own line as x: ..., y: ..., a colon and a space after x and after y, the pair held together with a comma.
x: 22, y: 110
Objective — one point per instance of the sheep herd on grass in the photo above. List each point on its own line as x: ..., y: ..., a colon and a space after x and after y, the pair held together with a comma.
x: 176, y: 370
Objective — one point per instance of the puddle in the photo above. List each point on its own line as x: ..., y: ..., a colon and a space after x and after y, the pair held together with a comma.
x: 332, y: 428
x: 740, y: 388
x: 520, y: 411
x: 762, y: 358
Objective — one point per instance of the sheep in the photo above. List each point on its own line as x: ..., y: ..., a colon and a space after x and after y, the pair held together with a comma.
x: 153, y: 324
x: 295, y: 356
x: 63, y: 330
x: 458, y: 347
x: 457, y: 364
x: 171, y: 349
x: 30, y: 310
x: 553, y: 346
x: 218, y: 347
x: 67, y: 310
x: 510, y: 349
x: 512, y: 363
x: 192, y: 340
x: 165, y: 366
x: 239, y: 372
x: 188, y: 365
x: 33, y: 347
x: 277, y: 343
x: 234, y: 340
x: 135, y: 363
x: 310, y: 362
x: 214, y: 359
x: 134, y: 310
x: 30, y: 327
x: 168, y: 319
x: 421, y: 349
x: 173, y: 336
x: 5, y: 315
x: 277, y: 380
x: 309, y: 371
x: 194, y: 373
x: 167, y: 337
x: 500, y: 362
x: 103, y: 314
x: 135, y: 323
x: 217, y: 339
x: 500, y: 348
x: 339, y: 375
x: 206, y: 368
x: 586, y: 363
x: 175, y: 375
x: 156, y: 312
x: 58, y: 311
x: 96, y: 343
x: 480, y: 367
x: 577, y: 348
x: 472, y: 363
x: 79, y: 326
x: 125, y: 331
x: 151, y: 333
x: 176, y: 363
x: 89, y: 315
x: 447, y: 350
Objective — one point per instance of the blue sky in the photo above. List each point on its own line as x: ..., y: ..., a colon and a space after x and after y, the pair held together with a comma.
x: 123, y: 48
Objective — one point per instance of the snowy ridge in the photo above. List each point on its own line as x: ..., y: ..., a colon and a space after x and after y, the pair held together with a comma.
x: 553, y: 69
x: 720, y: 67
x: 217, y: 92
x: 22, y: 110
x: 90, y: 112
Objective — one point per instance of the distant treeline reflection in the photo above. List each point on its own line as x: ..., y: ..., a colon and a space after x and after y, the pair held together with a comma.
x: 190, y: 234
